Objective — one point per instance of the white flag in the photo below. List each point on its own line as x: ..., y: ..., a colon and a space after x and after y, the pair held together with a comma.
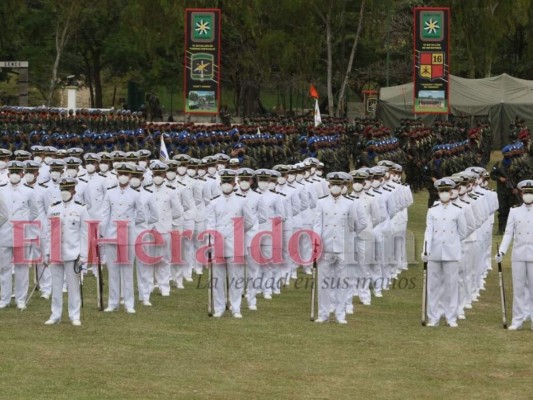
x: 163, y: 153
x: 318, y: 119
x: 258, y: 132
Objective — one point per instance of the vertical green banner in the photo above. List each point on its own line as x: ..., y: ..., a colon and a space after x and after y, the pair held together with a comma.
x: 202, y: 61
x: 431, y: 60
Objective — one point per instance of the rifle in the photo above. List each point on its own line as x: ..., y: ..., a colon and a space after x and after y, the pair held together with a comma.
x: 99, y: 283
x: 502, y: 292
x: 314, y: 285
x: 424, y: 286
x: 78, y: 271
x: 35, y: 287
x: 209, y: 281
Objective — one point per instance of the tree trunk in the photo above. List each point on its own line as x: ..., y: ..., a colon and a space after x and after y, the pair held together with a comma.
x: 340, y: 103
x: 330, y: 64
x: 97, y: 69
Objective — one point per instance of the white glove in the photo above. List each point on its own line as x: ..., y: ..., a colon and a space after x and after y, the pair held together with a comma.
x: 499, y: 257
x: 424, y: 257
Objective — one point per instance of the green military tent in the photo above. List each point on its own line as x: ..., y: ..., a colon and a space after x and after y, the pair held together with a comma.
x: 499, y: 99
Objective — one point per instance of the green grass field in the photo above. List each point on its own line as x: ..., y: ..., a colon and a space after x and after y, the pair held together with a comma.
x: 173, y: 350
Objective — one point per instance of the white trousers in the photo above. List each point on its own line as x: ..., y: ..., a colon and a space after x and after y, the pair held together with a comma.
x: 120, y: 275
x: 235, y: 275
x: 6, y: 278
x: 333, y: 286
x: 145, y: 280
x: 443, y: 290
x: 58, y: 271
x: 522, y: 291
x: 43, y: 275
x: 252, y: 274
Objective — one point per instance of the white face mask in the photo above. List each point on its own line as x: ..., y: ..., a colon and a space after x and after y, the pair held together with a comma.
x: 462, y: 190
x: 14, y: 178
x: 335, y: 190
x: 30, y: 178
x: 220, y: 167
x: 3, y: 165
x: 90, y: 168
x: 469, y: 187
x: 123, y: 179
x: 376, y: 183
x: 55, y: 175
x: 313, y: 170
x: 357, y: 187
x: 319, y: 172
x: 104, y: 167
x: 212, y: 170
x: 201, y: 172
x: 66, y: 195
x: 367, y: 185
x: 158, y: 180
x: 282, y: 180
x: 47, y: 160
x: 271, y: 185
x: 244, y: 185
x: 455, y: 194
x: 291, y: 178
x: 387, y: 175
x: 191, y: 172
x: 263, y: 185
x: 444, y: 196
x: 182, y: 170
x: 171, y: 175
x: 299, y: 177
x: 72, y: 172
x: 527, y: 198
x: 306, y: 174
x: 143, y: 164
x: 227, y: 188
x: 135, y: 183
x: 344, y: 190
x: 39, y: 159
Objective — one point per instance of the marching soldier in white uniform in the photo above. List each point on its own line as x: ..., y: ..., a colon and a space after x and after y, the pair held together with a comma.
x: 170, y: 212
x: 229, y: 215
x: 445, y: 229
x: 519, y: 230
x: 43, y: 275
x: 252, y: 198
x: 123, y: 205
x: 145, y: 270
x: 20, y: 200
x: 66, y: 250
x: 336, y: 220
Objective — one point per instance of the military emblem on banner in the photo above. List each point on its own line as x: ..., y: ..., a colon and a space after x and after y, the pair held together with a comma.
x: 431, y: 26
x: 202, y: 66
x: 202, y: 27
x: 431, y: 65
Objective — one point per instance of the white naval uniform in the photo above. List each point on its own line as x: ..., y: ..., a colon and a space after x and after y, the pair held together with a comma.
x: 21, y: 206
x: 220, y: 214
x: 185, y: 197
x: 336, y: 220
x: 445, y: 229
x: 170, y: 212
x: 121, y: 204
x: 145, y: 269
x: 74, y: 240
x: 273, y: 214
x: 202, y: 197
x: 292, y: 207
x: 257, y: 207
x: 519, y: 230
x: 44, y: 274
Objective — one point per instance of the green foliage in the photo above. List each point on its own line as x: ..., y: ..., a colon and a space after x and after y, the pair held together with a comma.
x: 267, y: 45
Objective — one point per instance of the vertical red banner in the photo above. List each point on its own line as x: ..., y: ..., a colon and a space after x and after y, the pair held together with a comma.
x: 202, y: 61
x: 431, y: 60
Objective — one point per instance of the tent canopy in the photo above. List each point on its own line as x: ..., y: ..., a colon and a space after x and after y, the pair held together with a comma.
x: 500, y: 99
